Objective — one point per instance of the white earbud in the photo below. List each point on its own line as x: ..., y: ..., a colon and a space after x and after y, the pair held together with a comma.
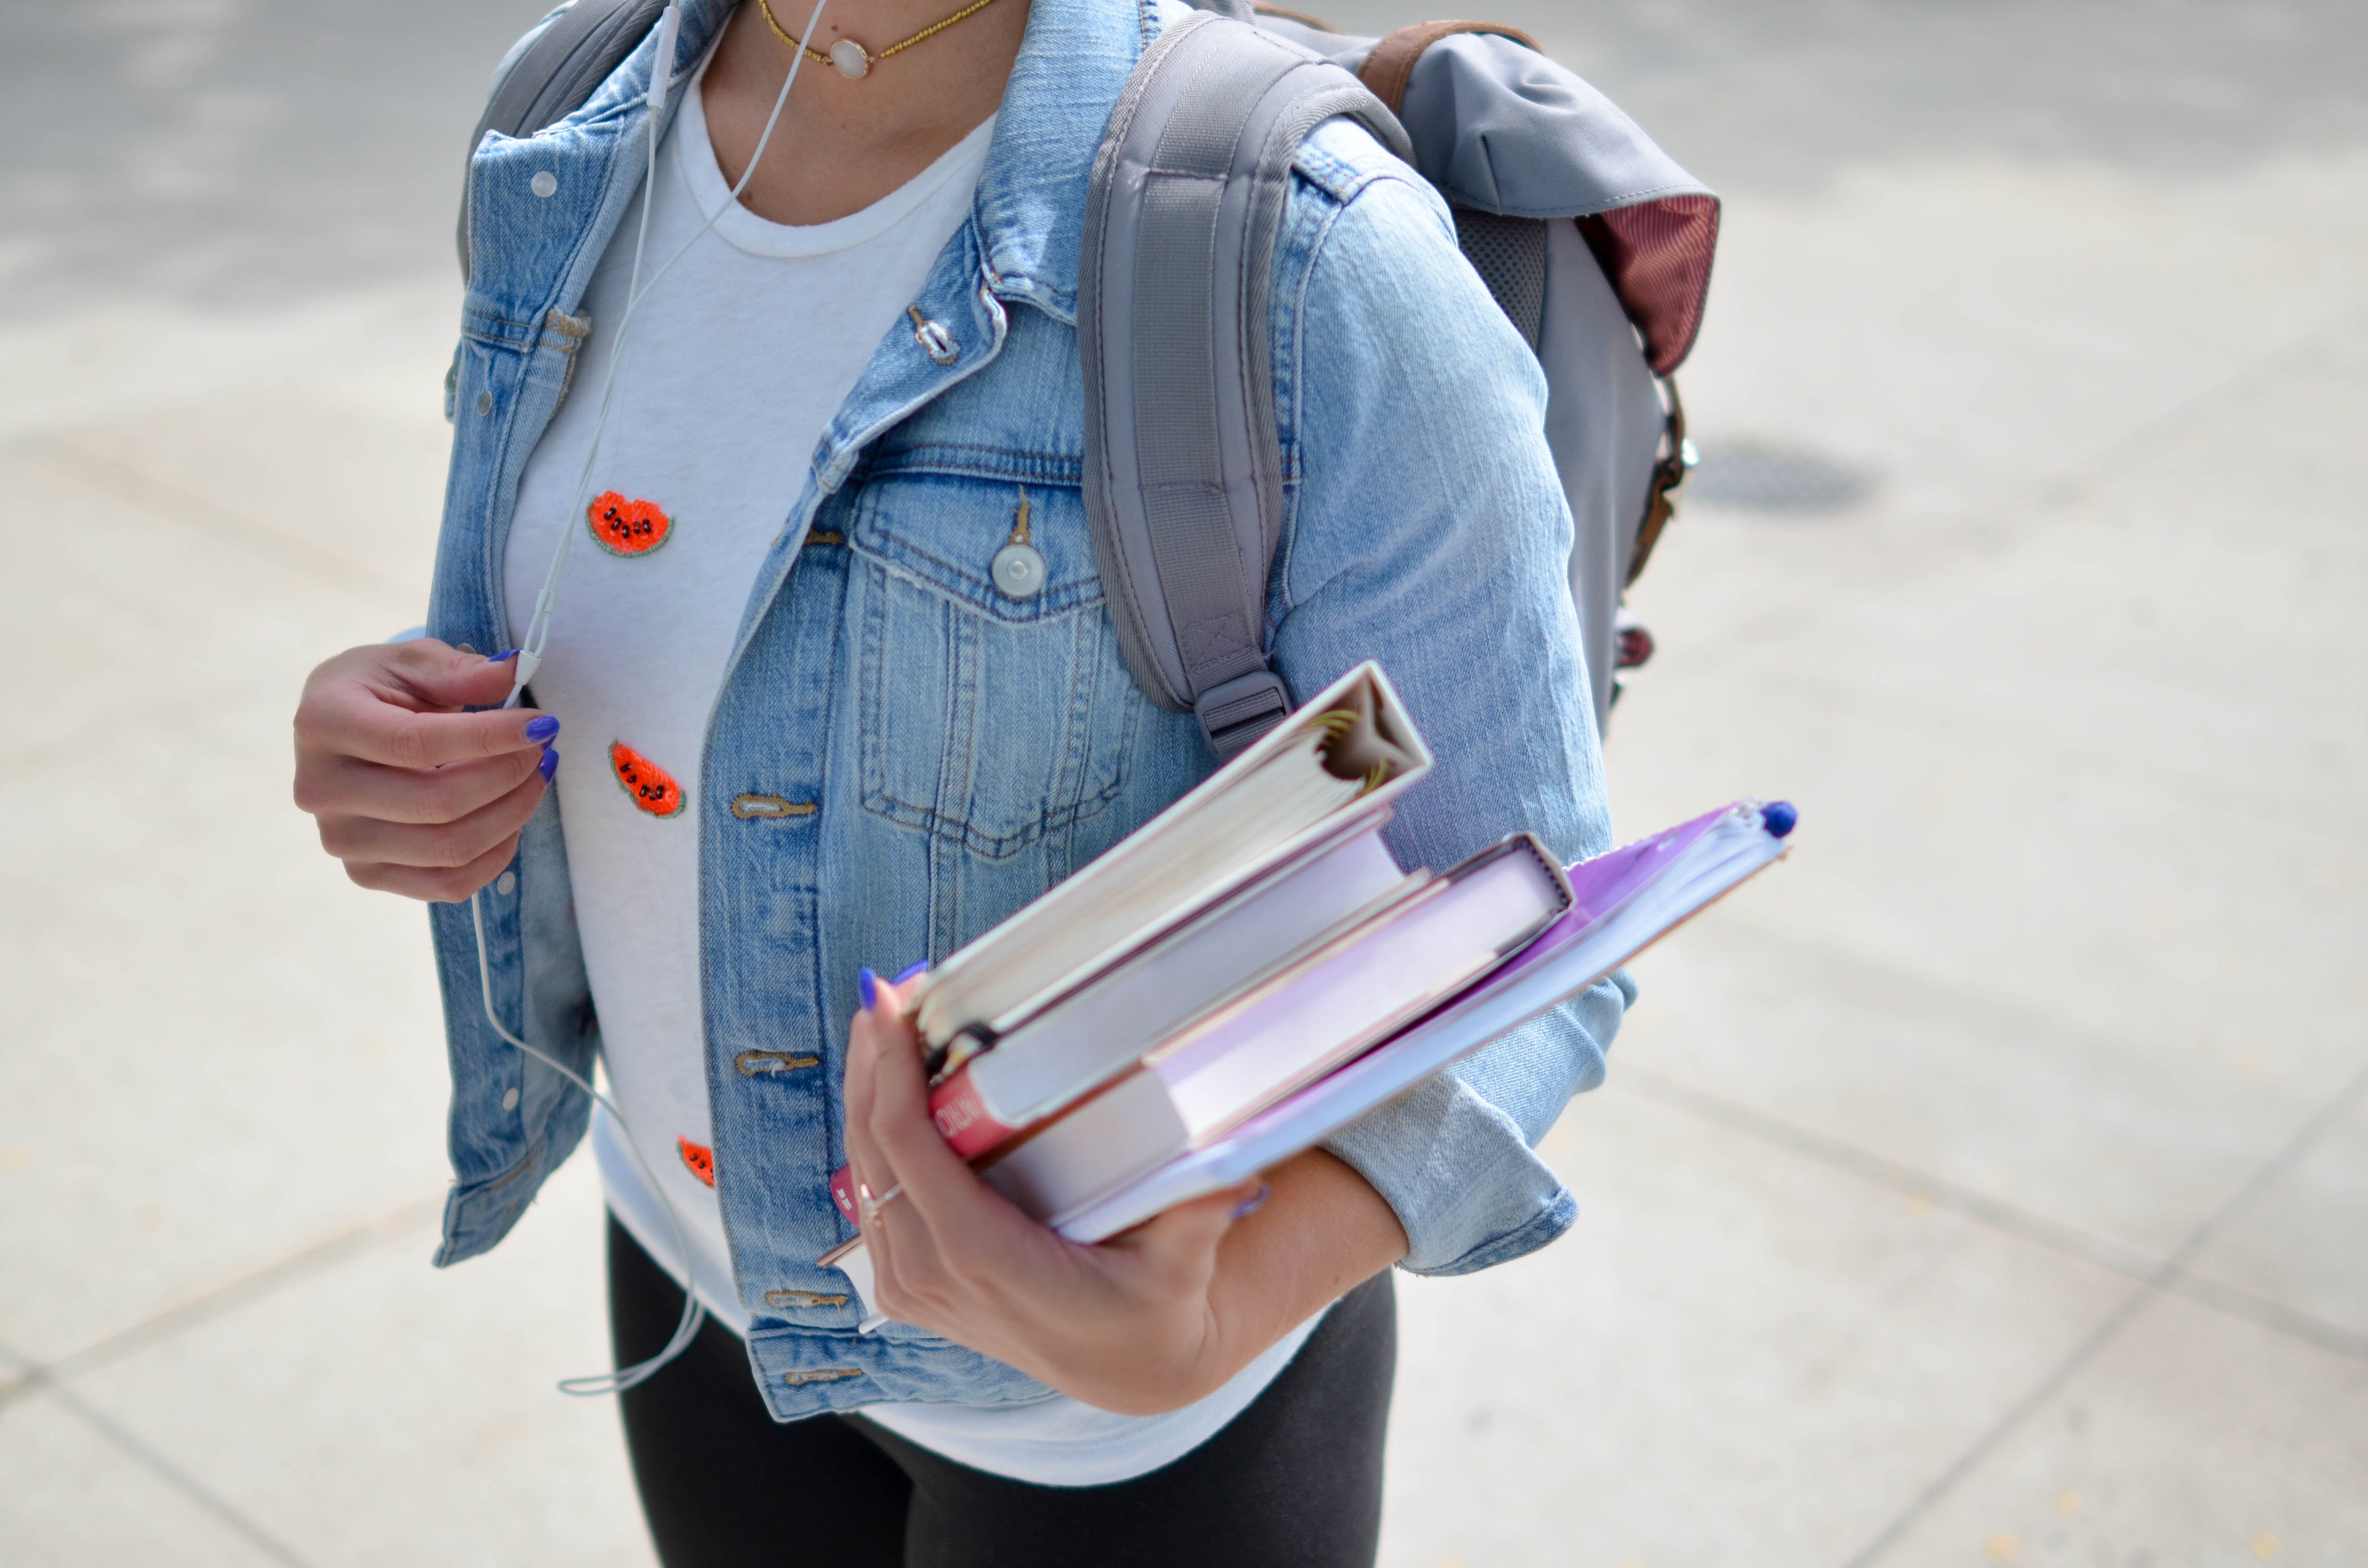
x: 662, y: 69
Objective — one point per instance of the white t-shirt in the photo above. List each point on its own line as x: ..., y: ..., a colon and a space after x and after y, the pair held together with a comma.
x: 738, y: 358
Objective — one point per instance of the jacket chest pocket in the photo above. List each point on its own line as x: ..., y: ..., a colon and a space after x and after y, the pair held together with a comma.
x: 987, y: 717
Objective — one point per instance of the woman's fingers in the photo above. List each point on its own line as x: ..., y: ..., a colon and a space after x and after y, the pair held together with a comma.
x: 437, y: 674
x: 380, y: 705
x: 443, y: 797
x: 904, y: 1272
x: 452, y: 885
x: 417, y: 798
x: 955, y: 1246
x: 862, y: 1157
x: 435, y: 843
x: 964, y: 1217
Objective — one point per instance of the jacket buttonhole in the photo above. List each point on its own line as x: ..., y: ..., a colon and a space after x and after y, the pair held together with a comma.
x: 803, y: 1298
x: 753, y: 807
x: 757, y: 1064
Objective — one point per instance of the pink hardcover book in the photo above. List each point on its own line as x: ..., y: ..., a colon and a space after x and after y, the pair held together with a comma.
x: 1325, y: 1009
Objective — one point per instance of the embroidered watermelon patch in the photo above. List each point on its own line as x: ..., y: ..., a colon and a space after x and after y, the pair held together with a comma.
x: 652, y: 787
x: 700, y: 1158
x: 627, y: 527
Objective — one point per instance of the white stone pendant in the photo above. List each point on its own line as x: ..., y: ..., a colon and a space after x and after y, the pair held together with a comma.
x: 853, y: 61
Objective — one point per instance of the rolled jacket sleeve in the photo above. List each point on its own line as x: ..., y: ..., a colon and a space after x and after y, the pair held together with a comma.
x: 1427, y: 530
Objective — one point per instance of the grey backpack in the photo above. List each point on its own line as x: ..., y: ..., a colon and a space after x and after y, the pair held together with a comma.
x: 1594, y: 242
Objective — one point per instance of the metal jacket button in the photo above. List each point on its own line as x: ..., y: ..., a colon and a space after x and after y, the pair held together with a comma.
x: 1020, y: 571
x: 1017, y: 568
x: 933, y: 337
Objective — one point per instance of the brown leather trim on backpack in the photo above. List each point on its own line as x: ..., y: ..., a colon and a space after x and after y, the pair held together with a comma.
x: 1661, y: 495
x: 1301, y: 18
x: 1390, y: 67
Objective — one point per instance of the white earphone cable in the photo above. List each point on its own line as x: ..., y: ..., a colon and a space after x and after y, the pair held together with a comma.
x: 538, y: 636
x: 538, y: 631
x: 693, y: 1312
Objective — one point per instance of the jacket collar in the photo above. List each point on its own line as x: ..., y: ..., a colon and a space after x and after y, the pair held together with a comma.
x: 1031, y: 193
x: 1073, y: 65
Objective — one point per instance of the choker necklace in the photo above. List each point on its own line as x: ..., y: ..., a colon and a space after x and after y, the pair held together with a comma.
x: 853, y: 61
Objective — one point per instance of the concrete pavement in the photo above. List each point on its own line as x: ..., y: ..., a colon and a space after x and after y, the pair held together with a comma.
x: 1988, y: 1184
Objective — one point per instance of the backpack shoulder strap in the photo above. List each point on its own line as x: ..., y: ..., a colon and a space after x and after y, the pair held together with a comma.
x: 1183, y: 461
x: 554, y: 70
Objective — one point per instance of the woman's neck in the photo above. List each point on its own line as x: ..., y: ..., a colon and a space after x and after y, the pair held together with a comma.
x: 842, y: 144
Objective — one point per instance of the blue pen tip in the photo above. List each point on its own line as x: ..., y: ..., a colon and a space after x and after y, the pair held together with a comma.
x: 868, y: 985
x: 1779, y: 817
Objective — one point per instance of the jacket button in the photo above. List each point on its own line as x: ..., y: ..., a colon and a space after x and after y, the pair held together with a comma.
x: 935, y: 340
x: 544, y: 183
x: 1019, y: 571
x: 509, y: 1100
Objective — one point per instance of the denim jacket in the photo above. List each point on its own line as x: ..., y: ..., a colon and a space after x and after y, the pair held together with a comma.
x: 949, y: 753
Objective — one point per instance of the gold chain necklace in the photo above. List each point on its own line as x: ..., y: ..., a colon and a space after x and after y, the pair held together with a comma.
x: 855, y: 62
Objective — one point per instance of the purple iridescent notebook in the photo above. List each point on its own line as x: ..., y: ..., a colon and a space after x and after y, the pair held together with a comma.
x: 1625, y: 901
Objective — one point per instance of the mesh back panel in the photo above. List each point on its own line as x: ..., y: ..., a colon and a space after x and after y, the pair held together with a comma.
x: 1509, y: 254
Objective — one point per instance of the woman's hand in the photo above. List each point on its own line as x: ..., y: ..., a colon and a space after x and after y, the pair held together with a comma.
x: 415, y: 796
x: 1146, y: 1322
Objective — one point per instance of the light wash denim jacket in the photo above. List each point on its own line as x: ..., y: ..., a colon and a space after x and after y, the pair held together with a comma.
x: 963, y: 750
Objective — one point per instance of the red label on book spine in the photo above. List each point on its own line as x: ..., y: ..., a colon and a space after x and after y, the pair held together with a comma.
x: 962, y: 1120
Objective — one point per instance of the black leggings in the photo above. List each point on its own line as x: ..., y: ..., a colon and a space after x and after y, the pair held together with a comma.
x: 1294, y: 1480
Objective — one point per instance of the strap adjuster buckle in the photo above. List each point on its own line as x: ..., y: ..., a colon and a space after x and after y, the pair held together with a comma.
x: 1235, y: 714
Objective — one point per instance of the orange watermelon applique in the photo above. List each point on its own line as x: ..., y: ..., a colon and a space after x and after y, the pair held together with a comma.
x: 652, y: 787
x: 627, y: 527
x: 700, y: 1158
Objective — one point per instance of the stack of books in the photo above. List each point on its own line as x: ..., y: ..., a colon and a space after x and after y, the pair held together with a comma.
x: 1252, y: 970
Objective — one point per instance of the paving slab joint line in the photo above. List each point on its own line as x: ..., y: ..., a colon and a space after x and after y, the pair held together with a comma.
x: 37, y: 1375
x: 172, y: 504
x: 2132, y: 1262
x: 164, y: 1469
x: 2300, y: 1145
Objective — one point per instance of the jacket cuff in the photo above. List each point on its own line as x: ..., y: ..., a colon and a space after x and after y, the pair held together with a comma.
x: 477, y: 1215
x: 1452, y: 1156
x: 1466, y: 1187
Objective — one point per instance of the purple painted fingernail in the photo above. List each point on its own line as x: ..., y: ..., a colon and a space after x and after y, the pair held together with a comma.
x: 909, y: 972
x: 1254, y: 1202
x: 869, y: 984
x: 541, y: 727
x: 549, y: 765
x: 504, y: 658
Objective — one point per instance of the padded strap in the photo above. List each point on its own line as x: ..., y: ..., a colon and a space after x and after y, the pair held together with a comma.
x: 1390, y: 67
x: 1183, y: 459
